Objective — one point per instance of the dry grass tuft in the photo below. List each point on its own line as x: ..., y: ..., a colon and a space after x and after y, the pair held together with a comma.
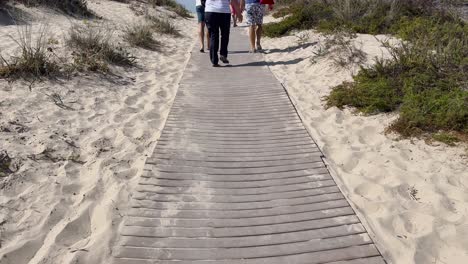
x: 141, y: 35
x: 93, y: 48
x: 35, y: 58
x: 163, y: 26
x: 70, y: 7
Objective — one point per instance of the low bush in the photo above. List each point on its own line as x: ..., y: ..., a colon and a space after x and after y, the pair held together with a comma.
x: 93, y: 48
x: 426, y: 80
x: 141, y: 35
x: 302, y: 17
x: 359, y: 16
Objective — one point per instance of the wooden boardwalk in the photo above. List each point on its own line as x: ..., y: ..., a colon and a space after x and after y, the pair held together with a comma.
x: 236, y: 178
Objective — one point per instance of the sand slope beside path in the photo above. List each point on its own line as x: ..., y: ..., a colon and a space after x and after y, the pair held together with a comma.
x: 77, y: 163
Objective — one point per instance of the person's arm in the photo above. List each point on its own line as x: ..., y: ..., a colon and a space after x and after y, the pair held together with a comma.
x: 238, y: 9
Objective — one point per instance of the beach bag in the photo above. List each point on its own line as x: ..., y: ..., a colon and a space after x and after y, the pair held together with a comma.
x: 267, y: 2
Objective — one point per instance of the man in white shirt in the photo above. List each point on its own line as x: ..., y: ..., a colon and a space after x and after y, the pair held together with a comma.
x: 218, y: 18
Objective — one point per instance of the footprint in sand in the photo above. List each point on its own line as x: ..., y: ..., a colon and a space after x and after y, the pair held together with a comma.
x: 132, y: 100
x: 23, y: 253
x: 162, y: 94
x: 76, y: 230
x: 352, y: 161
x: 71, y: 189
x: 370, y: 191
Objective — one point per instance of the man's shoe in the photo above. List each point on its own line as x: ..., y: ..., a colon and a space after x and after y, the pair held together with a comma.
x: 216, y: 65
x: 223, y: 59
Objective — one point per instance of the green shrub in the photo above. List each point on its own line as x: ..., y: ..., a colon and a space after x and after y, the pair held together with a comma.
x: 302, y: 17
x: 359, y: 16
x: 426, y: 80
x: 446, y: 138
x: 426, y: 77
x: 370, y: 93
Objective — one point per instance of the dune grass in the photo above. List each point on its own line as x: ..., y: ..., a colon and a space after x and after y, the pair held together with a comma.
x: 34, y: 60
x: 70, y: 7
x: 141, y: 35
x: 163, y: 26
x: 94, y: 49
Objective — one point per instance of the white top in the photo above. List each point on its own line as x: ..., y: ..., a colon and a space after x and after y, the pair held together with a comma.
x: 218, y: 6
x: 198, y: 3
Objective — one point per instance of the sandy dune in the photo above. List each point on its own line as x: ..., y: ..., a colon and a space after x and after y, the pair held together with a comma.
x: 78, y: 163
x: 413, y: 196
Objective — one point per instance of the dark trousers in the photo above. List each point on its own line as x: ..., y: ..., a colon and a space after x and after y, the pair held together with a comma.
x: 215, y: 23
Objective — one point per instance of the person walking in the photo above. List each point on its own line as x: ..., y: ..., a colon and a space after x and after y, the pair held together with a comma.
x: 200, y: 7
x: 234, y: 16
x: 218, y: 19
x: 255, y: 10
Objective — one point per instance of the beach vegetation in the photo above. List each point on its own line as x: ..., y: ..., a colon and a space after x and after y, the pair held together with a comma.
x: 163, y: 26
x: 446, y: 138
x: 93, y: 48
x: 141, y: 35
x: 70, y: 7
x: 35, y: 58
x: 425, y: 78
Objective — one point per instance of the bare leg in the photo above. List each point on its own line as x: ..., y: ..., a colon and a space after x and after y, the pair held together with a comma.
x: 201, y: 34
x: 252, y: 38
x: 259, y: 32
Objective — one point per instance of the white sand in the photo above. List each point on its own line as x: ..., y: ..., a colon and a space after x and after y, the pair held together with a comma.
x: 376, y: 171
x: 67, y: 210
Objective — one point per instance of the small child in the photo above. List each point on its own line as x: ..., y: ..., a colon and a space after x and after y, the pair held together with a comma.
x: 234, y: 16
